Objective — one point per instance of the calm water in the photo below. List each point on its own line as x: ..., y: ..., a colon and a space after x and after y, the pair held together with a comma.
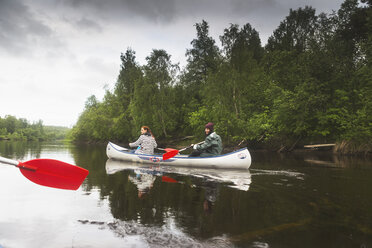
x: 297, y: 200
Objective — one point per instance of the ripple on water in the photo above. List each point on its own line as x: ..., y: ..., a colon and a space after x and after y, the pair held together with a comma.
x: 260, y: 245
x: 164, y: 236
x: 297, y: 175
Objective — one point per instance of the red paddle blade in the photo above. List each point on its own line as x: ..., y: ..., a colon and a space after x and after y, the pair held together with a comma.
x: 53, y: 173
x: 170, y: 154
x: 169, y: 149
x: 168, y: 179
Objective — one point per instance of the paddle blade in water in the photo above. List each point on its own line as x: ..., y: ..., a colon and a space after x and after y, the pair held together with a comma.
x: 170, y: 154
x: 53, y: 173
x: 168, y: 179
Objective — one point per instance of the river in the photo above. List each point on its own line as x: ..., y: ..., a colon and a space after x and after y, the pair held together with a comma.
x: 308, y: 199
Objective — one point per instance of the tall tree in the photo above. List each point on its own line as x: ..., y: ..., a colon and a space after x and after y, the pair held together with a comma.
x: 353, y: 43
x: 295, y: 31
x: 154, y: 96
x: 234, y: 91
x: 202, y: 59
x: 241, y: 46
x: 243, y: 52
x: 129, y: 73
x: 296, y: 77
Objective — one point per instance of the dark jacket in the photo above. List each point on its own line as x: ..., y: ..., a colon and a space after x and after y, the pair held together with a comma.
x: 212, y: 146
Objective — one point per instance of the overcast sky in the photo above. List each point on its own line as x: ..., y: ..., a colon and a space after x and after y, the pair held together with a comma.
x: 54, y: 54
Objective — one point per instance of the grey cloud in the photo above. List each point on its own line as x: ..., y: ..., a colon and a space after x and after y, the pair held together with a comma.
x: 165, y: 11
x: 168, y: 10
x: 263, y: 12
x: 87, y: 24
x: 158, y: 11
x: 19, y: 28
x: 242, y: 7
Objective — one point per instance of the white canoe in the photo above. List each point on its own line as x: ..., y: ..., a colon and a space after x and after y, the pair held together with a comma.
x: 240, y: 159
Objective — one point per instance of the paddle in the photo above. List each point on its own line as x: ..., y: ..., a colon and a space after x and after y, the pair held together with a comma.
x: 166, y: 149
x: 173, y: 152
x: 50, y: 172
x: 168, y: 179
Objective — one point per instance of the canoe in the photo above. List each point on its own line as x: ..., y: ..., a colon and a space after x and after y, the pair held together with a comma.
x: 240, y: 159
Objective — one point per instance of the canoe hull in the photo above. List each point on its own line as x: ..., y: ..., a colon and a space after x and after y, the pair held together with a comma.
x: 240, y: 159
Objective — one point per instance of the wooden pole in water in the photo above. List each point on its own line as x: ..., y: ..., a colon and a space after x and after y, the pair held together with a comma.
x: 319, y: 145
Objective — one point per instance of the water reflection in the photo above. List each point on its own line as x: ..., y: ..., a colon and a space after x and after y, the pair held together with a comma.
x: 239, y: 179
x: 282, y: 201
x: 143, y: 181
x: 337, y: 160
x: 144, y: 177
x: 194, y: 199
x: 19, y: 149
x: 310, y: 158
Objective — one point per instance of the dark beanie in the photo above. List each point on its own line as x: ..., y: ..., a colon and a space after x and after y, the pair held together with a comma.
x: 209, y: 126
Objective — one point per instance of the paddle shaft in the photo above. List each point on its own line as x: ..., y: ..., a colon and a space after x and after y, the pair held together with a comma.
x: 173, y: 152
x: 17, y: 164
x: 8, y: 161
x: 190, y: 146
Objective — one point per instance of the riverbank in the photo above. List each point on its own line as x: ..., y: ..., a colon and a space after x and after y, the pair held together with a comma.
x: 341, y: 148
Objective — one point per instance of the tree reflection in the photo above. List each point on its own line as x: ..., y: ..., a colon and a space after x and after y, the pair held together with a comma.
x: 19, y: 149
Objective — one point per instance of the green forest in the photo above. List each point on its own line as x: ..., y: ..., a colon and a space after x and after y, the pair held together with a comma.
x: 311, y: 83
x: 12, y: 128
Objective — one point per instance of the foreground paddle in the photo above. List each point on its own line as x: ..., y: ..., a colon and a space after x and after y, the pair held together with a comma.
x: 50, y: 172
x: 170, y: 152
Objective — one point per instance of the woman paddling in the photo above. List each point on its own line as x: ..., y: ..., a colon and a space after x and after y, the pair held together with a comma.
x: 145, y: 143
x: 212, y: 145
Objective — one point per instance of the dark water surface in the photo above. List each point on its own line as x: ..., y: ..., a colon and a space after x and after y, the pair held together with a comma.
x: 310, y: 199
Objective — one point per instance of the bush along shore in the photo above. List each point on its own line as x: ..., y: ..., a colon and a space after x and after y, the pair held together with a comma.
x: 19, y: 129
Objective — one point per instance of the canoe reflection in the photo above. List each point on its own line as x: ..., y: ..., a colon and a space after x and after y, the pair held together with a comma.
x: 238, y: 179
